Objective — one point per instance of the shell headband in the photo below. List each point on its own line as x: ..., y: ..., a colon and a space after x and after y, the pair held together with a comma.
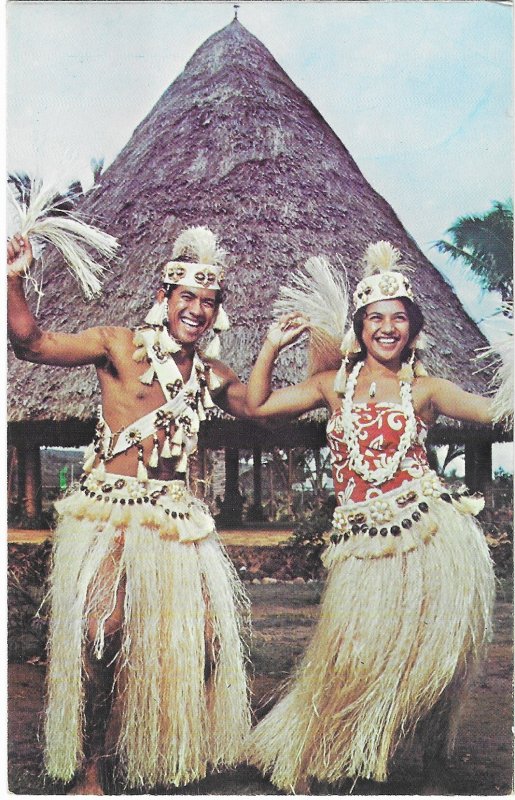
x: 200, y: 276
x: 380, y: 281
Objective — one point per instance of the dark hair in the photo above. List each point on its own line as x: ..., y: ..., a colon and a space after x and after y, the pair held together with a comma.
x: 416, y: 323
x: 169, y: 287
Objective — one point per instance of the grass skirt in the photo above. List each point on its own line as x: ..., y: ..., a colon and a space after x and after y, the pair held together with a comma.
x: 179, y: 582
x: 397, y: 640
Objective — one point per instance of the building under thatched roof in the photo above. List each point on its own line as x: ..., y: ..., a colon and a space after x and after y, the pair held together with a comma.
x: 235, y: 145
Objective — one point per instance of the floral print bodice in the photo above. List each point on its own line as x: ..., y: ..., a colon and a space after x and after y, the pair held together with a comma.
x: 380, y: 427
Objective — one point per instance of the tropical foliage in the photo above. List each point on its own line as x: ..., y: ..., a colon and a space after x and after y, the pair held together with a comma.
x: 484, y: 244
x: 22, y: 185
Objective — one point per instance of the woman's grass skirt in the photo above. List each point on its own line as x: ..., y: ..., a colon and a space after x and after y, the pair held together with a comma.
x: 397, y: 641
x: 179, y: 584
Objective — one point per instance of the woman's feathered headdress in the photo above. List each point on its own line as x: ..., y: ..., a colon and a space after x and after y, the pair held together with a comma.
x: 381, y: 281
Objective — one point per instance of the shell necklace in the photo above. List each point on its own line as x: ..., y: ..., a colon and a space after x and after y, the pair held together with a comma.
x: 351, y: 430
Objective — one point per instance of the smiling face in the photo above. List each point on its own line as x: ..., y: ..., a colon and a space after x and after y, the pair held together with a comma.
x: 386, y: 331
x: 191, y: 312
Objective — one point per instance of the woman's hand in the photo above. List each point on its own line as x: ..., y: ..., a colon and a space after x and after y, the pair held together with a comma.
x: 286, y: 331
x: 19, y: 255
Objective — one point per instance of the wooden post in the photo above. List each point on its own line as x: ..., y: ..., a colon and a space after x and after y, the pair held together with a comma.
x: 232, y: 505
x: 256, y: 510
x: 318, y: 471
x: 290, y: 482
x: 13, y: 477
x: 32, y: 489
x: 478, y: 468
x: 196, y: 474
x: 206, y: 475
x: 21, y: 470
x: 272, y: 500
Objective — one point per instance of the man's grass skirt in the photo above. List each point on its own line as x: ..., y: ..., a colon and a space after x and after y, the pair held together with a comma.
x: 160, y: 543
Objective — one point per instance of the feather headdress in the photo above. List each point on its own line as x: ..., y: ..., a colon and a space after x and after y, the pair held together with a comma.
x: 382, y: 276
x: 200, y: 244
x: 319, y: 293
x: 198, y: 262
x: 382, y: 280
x: 41, y: 217
x: 502, y: 379
x: 380, y: 257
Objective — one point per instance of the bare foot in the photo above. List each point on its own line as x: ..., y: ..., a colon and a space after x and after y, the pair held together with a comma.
x: 89, y: 780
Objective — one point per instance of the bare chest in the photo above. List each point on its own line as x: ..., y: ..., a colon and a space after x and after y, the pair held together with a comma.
x: 125, y: 398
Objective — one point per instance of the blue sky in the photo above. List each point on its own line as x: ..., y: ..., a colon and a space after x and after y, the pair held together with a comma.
x: 419, y: 92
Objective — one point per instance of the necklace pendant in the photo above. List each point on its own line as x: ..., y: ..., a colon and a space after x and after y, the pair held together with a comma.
x: 372, y: 390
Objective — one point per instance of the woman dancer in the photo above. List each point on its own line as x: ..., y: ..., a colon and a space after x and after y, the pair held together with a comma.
x: 407, y: 604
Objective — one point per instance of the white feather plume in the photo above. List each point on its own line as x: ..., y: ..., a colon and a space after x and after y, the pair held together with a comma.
x: 199, y: 243
x: 42, y: 219
x: 319, y: 293
x: 502, y: 380
x: 380, y: 257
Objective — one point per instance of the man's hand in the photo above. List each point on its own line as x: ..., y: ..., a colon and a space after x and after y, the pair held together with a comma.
x: 287, y: 330
x: 19, y: 255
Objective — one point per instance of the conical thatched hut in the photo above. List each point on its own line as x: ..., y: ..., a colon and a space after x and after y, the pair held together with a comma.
x: 235, y: 145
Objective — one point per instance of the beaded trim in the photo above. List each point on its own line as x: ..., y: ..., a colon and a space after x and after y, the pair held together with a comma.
x: 390, y: 514
x: 129, y: 492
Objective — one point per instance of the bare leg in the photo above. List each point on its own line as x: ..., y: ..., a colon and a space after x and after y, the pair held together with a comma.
x: 99, y: 686
x: 211, y: 643
x: 436, y: 736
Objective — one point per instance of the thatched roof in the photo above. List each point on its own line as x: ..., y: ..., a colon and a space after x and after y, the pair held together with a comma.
x: 235, y: 145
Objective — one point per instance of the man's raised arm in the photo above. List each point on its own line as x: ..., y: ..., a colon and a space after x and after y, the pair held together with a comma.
x: 29, y: 342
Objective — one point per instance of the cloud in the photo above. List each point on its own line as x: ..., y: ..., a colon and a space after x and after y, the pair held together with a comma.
x: 420, y: 93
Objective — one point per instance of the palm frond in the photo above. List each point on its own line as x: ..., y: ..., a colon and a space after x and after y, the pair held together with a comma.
x: 484, y: 244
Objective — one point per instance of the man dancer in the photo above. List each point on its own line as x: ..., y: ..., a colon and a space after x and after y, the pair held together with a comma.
x: 146, y: 607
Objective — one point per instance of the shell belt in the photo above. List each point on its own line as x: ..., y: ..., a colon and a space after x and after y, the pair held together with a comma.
x: 391, y: 513
x: 165, y: 506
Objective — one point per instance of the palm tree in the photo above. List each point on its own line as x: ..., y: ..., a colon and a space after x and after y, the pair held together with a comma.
x: 484, y: 243
x: 23, y: 185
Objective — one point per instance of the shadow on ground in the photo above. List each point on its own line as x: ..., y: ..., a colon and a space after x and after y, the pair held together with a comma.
x: 283, y: 617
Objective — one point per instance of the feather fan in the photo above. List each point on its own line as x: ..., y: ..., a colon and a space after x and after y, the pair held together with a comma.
x: 319, y: 293
x: 43, y: 219
x: 502, y: 380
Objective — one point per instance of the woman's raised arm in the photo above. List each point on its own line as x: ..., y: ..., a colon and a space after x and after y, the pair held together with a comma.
x: 261, y: 401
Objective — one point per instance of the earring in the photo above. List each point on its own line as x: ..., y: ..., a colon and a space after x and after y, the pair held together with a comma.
x: 406, y: 373
x: 340, y: 380
x: 157, y: 314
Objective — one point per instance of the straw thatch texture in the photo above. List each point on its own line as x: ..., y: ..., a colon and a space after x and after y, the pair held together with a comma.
x: 235, y: 145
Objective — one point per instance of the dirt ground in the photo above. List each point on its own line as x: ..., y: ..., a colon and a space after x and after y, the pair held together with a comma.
x: 283, y: 616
